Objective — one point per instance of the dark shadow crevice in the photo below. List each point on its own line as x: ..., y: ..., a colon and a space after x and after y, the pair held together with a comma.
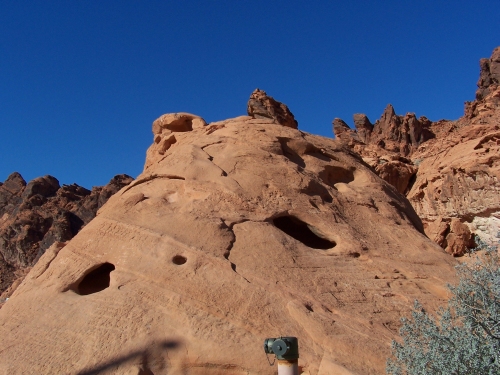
x: 291, y: 154
x: 302, y: 232
x: 96, y: 280
x: 332, y: 175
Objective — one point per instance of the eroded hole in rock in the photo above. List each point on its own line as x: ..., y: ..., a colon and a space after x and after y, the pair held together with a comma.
x: 315, y: 188
x: 332, y: 175
x: 179, y: 260
x: 181, y: 125
x: 302, y: 232
x: 166, y: 143
x: 96, y: 280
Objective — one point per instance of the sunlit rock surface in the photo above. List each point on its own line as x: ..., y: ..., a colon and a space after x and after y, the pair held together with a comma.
x: 237, y: 231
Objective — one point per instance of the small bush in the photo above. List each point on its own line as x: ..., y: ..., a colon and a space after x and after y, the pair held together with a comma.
x: 464, y: 338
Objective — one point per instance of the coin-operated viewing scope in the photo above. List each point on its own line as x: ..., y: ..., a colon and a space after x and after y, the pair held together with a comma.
x: 286, y: 350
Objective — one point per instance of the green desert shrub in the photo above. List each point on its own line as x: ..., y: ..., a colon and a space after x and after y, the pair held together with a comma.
x: 464, y: 337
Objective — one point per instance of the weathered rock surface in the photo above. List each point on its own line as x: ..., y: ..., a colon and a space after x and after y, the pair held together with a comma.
x: 458, y: 178
x: 239, y: 231
x: 35, y: 215
x: 488, y: 87
x: 262, y: 106
x: 453, y: 173
x: 392, y: 133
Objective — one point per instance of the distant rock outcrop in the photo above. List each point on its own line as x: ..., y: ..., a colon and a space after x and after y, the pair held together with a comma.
x: 488, y: 91
x: 262, y: 106
x: 240, y: 230
x: 35, y: 215
x: 399, y: 134
x: 453, y: 177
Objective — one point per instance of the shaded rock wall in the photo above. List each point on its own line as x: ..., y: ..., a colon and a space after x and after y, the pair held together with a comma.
x: 35, y: 215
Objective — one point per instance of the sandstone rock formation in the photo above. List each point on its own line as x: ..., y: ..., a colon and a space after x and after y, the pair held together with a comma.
x: 240, y: 230
x: 449, y: 170
x: 488, y: 92
x: 35, y: 215
x: 262, y: 106
x: 459, y: 179
x: 388, y: 144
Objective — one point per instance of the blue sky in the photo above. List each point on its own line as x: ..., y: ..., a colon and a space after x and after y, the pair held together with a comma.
x: 82, y: 81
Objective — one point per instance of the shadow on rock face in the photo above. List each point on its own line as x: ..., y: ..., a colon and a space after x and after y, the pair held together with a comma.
x: 146, y: 358
x: 95, y: 281
x: 302, y: 232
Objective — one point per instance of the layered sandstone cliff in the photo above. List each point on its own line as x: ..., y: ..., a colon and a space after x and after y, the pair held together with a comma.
x: 235, y: 231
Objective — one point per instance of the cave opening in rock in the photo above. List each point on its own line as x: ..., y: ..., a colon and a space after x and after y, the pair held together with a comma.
x: 96, y: 280
x: 302, y: 232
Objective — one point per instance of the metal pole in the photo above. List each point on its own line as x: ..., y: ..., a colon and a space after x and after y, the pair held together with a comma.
x: 288, y: 367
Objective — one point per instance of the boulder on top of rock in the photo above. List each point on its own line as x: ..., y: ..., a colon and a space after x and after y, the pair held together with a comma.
x: 45, y: 186
x: 488, y: 89
x: 363, y: 126
x: 489, y: 76
x: 344, y: 133
x: 177, y: 122
x: 164, y: 129
x: 14, y: 183
x: 10, y: 192
x: 260, y: 105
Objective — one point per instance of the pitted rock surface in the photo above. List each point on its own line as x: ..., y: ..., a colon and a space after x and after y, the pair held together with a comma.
x: 240, y: 231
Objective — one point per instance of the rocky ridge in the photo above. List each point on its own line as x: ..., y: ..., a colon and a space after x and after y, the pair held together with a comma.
x: 37, y: 214
x: 262, y: 106
x: 449, y: 170
x: 239, y: 230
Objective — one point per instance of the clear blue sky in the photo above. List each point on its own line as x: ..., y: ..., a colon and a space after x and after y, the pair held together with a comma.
x: 82, y: 81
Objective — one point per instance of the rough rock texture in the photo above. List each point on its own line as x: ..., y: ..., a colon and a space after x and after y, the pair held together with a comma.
x: 260, y: 105
x: 239, y: 231
x: 396, y: 172
x: 343, y: 132
x: 388, y: 144
x: 164, y: 129
x: 488, y: 91
x: 401, y: 134
x: 454, y: 171
x: 451, y: 234
x: 458, y: 178
x: 392, y: 133
x: 364, y: 127
x: 35, y: 215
